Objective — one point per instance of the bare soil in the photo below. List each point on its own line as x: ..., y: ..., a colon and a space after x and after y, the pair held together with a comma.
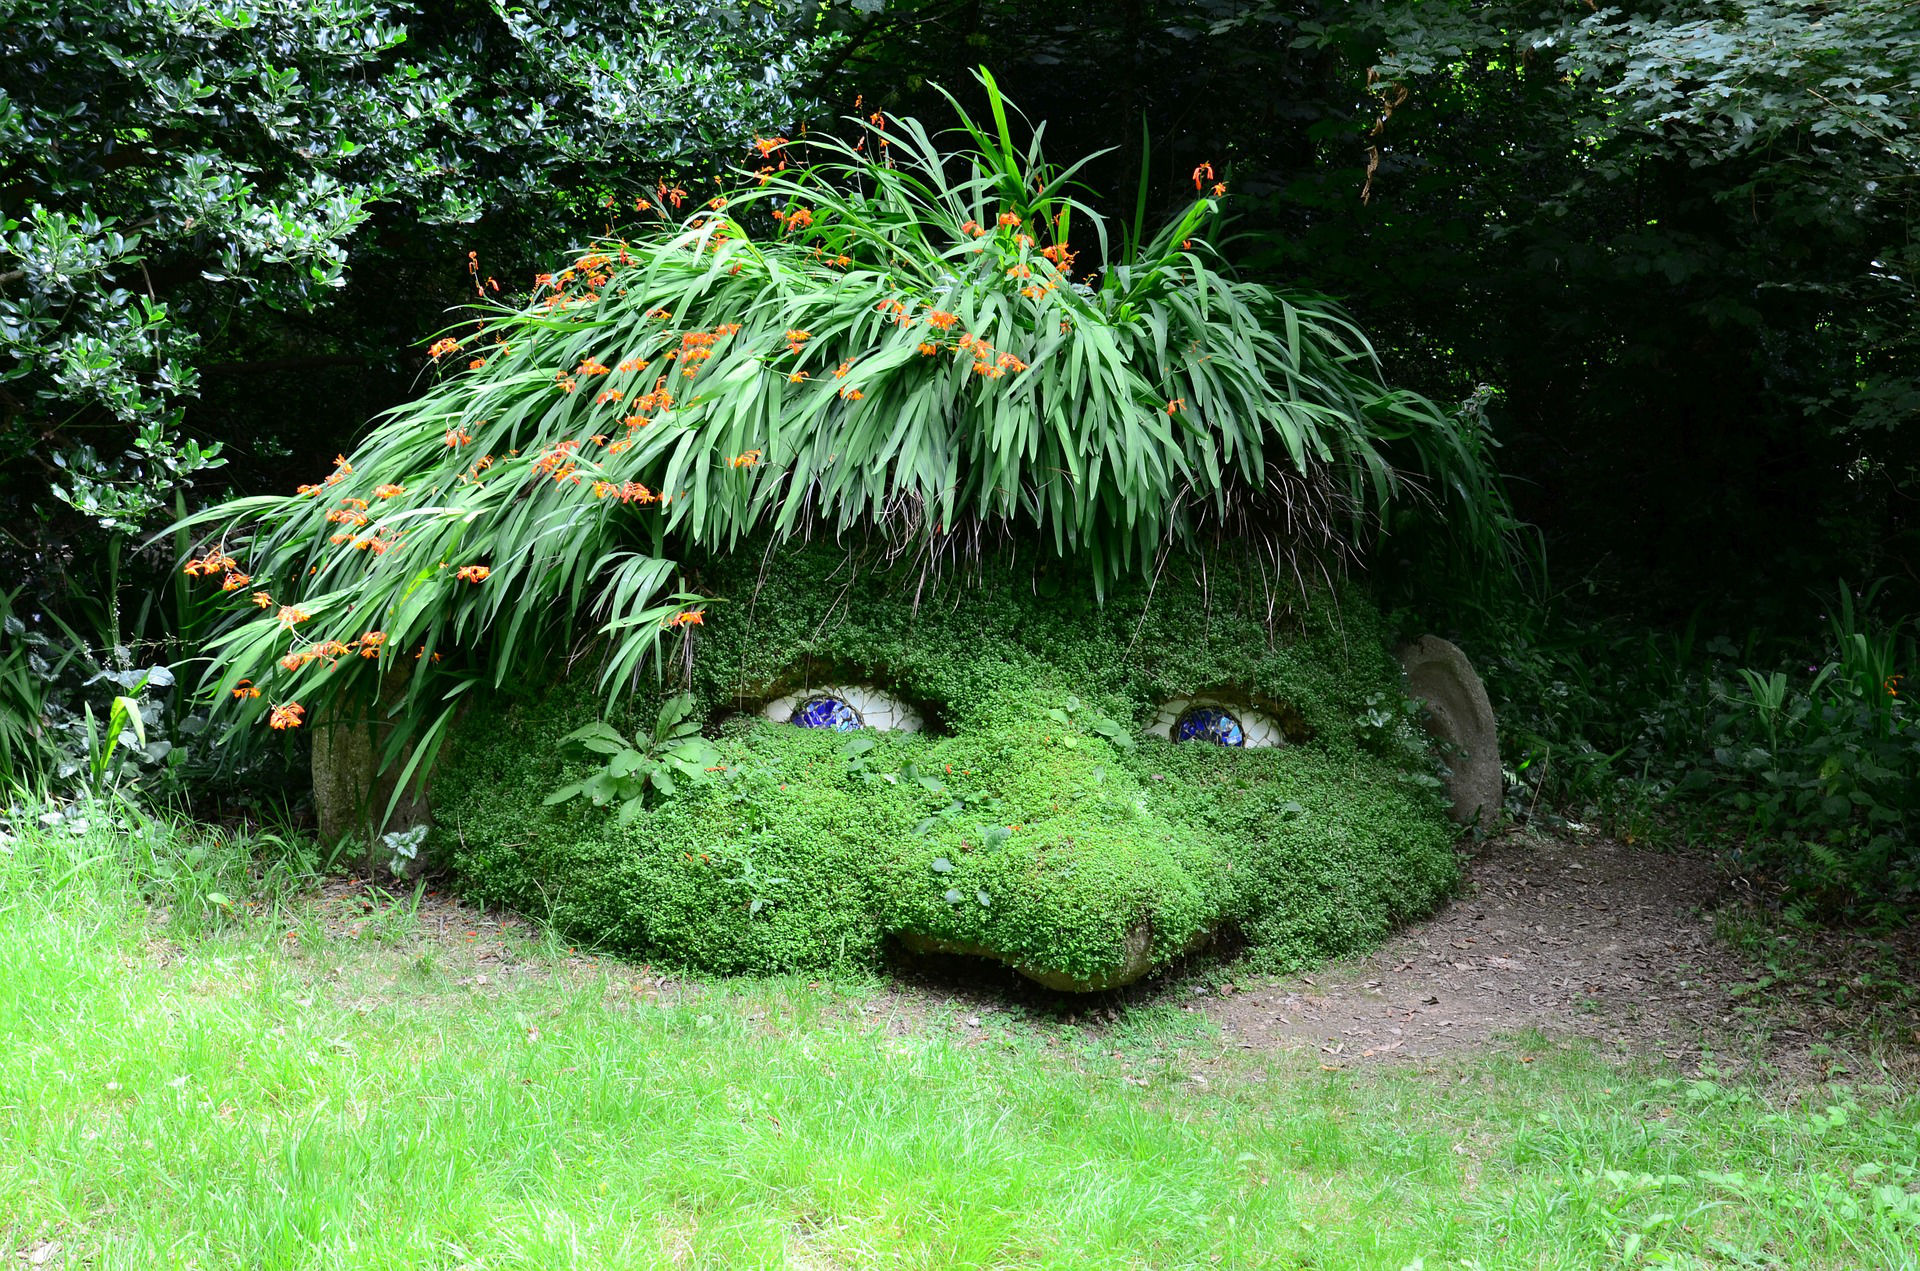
x: 1586, y: 936
x: 1551, y: 938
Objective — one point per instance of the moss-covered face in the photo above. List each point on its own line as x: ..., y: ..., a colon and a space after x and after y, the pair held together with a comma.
x: 983, y: 774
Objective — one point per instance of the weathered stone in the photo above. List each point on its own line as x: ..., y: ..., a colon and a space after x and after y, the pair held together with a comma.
x: 1461, y: 718
x: 350, y: 794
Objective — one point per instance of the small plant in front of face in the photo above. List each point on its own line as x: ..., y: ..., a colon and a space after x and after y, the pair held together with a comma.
x: 403, y: 850
x: 654, y: 762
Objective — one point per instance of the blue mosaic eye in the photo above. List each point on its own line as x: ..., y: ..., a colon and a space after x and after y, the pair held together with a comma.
x: 1209, y: 723
x: 826, y: 712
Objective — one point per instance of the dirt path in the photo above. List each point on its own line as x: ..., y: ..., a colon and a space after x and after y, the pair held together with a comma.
x: 1574, y: 935
x: 1577, y: 935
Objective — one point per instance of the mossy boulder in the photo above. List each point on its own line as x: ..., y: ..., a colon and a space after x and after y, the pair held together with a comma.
x: 1031, y: 818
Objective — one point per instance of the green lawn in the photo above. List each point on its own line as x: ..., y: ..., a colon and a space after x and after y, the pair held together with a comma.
x: 265, y: 1091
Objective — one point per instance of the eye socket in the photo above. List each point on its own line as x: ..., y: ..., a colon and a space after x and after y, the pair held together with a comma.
x: 825, y: 712
x: 844, y: 708
x: 1220, y: 723
x: 1209, y: 723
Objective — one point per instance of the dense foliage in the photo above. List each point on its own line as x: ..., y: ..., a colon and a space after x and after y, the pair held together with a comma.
x: 1022, y: 821
x: 176, y: 163
x: 225, y: 229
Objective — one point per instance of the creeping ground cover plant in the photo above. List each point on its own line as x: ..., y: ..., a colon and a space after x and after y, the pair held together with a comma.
x: 926, y: 345
x: 998, y: 763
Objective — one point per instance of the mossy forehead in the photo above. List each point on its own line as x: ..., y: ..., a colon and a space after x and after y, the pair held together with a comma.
x: 1019, y: 822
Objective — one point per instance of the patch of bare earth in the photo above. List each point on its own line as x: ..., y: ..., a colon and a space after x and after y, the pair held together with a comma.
x: 1569, y: 936
x: 1580, y: 936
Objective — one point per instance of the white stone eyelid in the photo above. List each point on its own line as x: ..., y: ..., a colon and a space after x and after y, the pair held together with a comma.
x: 1258, y: 727
x: 877, y: 708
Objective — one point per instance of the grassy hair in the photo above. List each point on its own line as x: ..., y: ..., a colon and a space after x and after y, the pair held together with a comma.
x: 895, y: 334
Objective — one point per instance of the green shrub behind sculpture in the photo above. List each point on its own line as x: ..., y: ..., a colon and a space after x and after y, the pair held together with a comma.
x: 1019, y: 822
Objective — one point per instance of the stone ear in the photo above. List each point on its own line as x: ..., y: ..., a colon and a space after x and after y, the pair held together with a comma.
x: 1458, y: 714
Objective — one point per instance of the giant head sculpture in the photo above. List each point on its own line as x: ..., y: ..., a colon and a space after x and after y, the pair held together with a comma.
x: 949, y: 558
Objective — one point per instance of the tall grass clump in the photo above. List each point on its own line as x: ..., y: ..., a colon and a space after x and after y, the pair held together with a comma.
x: 926, y: 335
x: 104, y: 862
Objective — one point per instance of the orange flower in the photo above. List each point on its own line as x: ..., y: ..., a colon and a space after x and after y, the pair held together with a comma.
x: 1009, y: 219
x: 607, y: 397
x: 928, y: 350
x: 767, y: 145
x: 727, y: 328
x: 458, y: 437
x: 476, y: 364
x: 340, y: 462
x: 687, y: 618
x: 472, y: 573
x: 287, y: 716
x: 291, y: 617
x: 1219, y: 188
x: 851, y: 394
x: 941, y: 321
x: 234, y: 582
x: 633, y: 364
x: 589, y: 366
x: 973, y: 228
x: 388, y: 491
x: 840, y: 372
x: 1177, y: 404
x: 798, y: 377
x: 746, y: 460
x: 370, y: 643
x: 1202, y: 173
x: 245, y: 688
x: 262, y: 599
x: 440, y: 348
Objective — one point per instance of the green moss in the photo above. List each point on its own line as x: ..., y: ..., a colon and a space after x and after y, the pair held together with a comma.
x: 999, y: 827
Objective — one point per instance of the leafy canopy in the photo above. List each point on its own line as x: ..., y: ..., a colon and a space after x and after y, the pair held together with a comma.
x: 173, y: 163
x: 898, y: 336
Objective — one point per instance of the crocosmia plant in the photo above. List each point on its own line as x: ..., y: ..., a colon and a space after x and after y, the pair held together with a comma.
x: 925, y: 342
